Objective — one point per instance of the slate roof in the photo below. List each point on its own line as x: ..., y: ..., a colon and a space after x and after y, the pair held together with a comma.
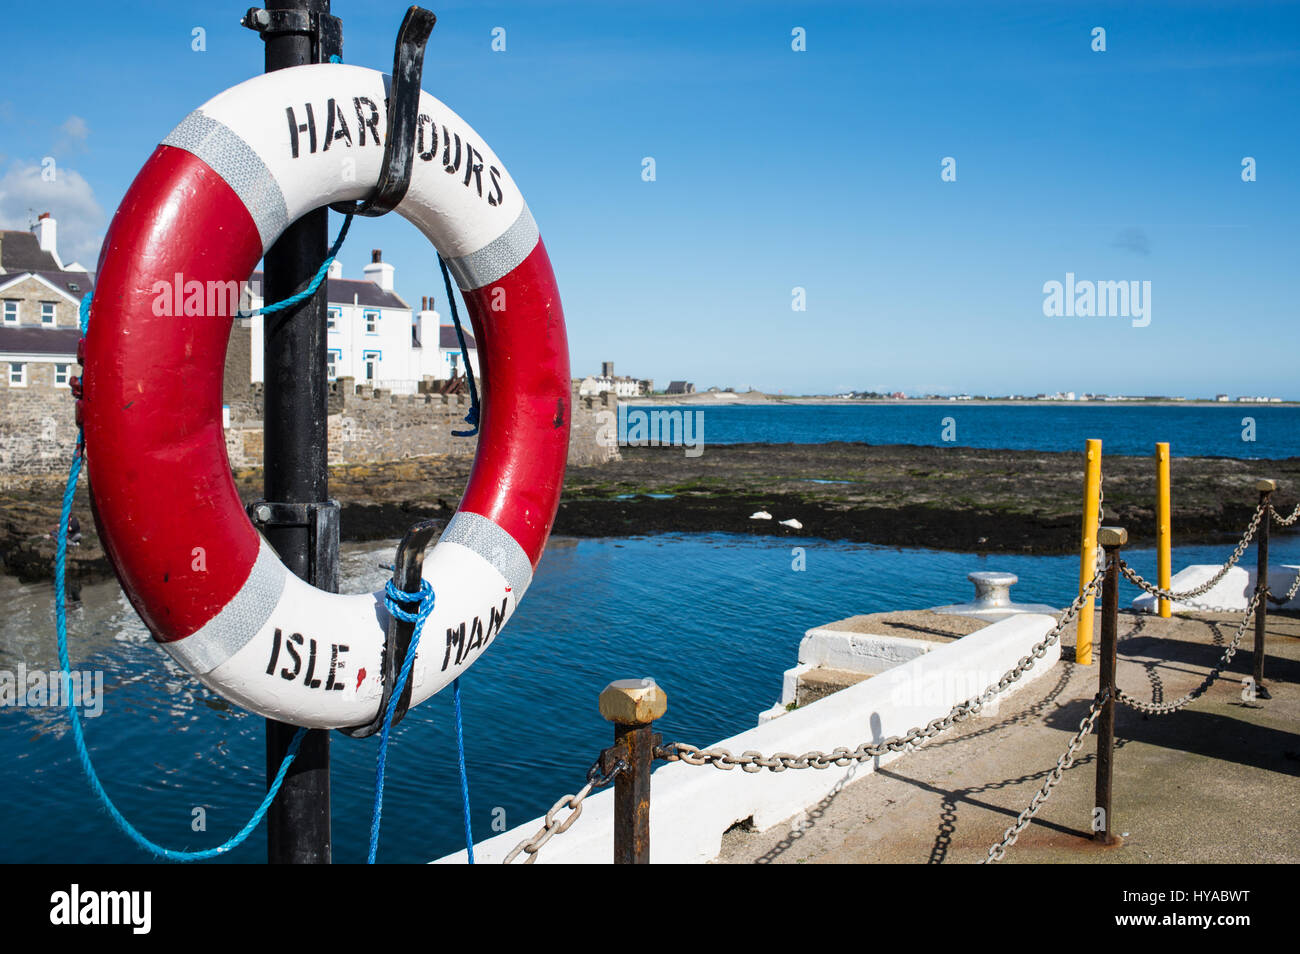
x: 339, y: 291
x: 75, y: 284
x: 52, y: 341
x: 447, y: 339
x: 21, y: 252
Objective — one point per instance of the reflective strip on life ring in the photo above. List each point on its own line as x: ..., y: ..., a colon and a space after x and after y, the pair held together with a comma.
x: 211, y: 199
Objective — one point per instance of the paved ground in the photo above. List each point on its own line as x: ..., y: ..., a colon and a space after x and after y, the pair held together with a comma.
x: 912, y: 624
x: 1215, y: 782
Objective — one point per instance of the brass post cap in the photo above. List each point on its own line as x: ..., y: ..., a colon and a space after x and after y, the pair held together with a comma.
x: 632, y: 701
x: 1266, y: 486
x: 1112, y: 536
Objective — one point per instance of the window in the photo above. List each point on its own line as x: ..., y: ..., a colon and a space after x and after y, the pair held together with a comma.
x: 332, y: 364
x: 372, y: 322
x: 47, y: 313
x: 11, y: 311
x: 17, y: 374
x: 61, y: 375
x: 454, y: 359
x: 333, y: 316
x: 371, y: 359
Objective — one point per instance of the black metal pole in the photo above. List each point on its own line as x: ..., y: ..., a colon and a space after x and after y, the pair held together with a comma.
x: 1266, y: 488
x: 1111, y: 538
x: 295, y: 458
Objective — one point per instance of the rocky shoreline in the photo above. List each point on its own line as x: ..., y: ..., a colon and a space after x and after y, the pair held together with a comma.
x: 951, y: 498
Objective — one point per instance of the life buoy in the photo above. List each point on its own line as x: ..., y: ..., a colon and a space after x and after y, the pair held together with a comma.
x: 221, y: 187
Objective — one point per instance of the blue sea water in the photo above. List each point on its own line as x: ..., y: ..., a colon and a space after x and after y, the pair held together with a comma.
x: 715, y: 618
x: 1191, y: 431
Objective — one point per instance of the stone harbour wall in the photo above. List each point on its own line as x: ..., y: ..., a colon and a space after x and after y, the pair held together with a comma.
x: 366, y: 425
x: 37, y: 430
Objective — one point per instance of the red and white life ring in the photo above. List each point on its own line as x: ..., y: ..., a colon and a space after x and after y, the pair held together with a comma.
x: 211, y: 199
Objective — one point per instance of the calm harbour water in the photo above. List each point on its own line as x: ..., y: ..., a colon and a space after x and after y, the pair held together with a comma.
x: 1198, y: 431
x: 715, y: 618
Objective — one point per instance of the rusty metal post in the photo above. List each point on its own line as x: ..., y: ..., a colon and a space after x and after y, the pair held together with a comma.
x: 1110, y: 538
x: 1265, y: 488
x: 633, y: 705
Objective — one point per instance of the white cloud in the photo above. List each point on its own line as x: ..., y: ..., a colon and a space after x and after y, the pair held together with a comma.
x: 72, y: 136
x: 26, y: 190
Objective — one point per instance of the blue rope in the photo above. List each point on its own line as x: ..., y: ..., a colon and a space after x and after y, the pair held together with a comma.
x: 314, y: 284
x: 464, y: 777
x: 424, y: 597
x: 78, y: 736
x: 472, y: 417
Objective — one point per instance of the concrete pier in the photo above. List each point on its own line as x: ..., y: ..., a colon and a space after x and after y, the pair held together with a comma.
x: 1215, y: 782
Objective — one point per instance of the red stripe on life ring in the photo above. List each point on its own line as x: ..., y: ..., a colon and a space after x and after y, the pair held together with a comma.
x: 523, y: 355
x: 167, y: 509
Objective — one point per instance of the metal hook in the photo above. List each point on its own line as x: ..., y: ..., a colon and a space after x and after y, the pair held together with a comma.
x: 403, y: 117
x: 407, y: 574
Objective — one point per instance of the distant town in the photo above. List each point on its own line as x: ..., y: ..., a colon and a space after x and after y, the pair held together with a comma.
x: 1063, y: 396
x: 629, y: 387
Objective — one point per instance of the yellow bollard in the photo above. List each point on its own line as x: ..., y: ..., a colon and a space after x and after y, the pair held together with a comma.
x: 1164, y: 527
x: 1088, y: 553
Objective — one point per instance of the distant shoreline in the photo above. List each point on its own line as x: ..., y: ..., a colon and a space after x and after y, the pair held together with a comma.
x: 756, y: 399
x: 957, y: 498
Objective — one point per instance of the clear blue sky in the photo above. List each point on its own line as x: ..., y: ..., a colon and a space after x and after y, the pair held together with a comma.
x: 776, y: 169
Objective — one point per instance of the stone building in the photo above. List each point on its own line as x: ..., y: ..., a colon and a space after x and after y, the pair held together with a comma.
x: 39, y: 330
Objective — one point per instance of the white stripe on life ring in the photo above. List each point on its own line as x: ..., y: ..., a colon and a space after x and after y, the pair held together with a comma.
x: 477, y: 571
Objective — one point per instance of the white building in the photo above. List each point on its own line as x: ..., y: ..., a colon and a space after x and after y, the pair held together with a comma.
x: 373, y: 336
x: 607, y: 380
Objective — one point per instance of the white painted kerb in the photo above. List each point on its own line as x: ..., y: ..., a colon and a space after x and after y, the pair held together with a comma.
x: 859, y: 652
x: 692, y: 806
x: 823, y: 647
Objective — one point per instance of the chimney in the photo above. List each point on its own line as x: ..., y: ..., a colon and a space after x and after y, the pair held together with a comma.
x: 428, y: 321
x: 46, y: 231
x: 379, y: 271
x: 336, y: 269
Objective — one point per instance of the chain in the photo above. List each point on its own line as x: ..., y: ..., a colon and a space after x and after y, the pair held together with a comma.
x: 1281, y: 600
x: 553, y: 826
x: 1099, y: 562
x: 998, y: 851
x: 1164, y: 708
x: 1285, y: 521
x: 1133, y: 577
x: 751, y: 761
